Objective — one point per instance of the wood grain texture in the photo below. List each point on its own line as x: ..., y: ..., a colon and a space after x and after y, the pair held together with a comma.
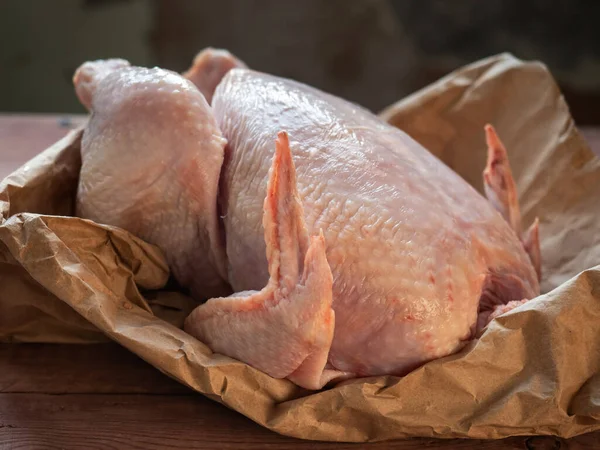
x: 104, y: 397
x: 22, y: 136
x: 80, y: 369
x: 179, y: 422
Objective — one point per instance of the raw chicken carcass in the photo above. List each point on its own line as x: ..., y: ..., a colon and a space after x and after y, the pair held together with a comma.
x: 406, y: 263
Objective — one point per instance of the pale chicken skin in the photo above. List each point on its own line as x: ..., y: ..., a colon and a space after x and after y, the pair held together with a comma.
x: 406, y: 263
x: 151, y: 158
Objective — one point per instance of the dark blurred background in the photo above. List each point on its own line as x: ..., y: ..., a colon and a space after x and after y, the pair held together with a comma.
x: 369, y: 51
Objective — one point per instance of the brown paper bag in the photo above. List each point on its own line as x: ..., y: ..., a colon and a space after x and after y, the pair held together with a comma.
x: 536, y: 370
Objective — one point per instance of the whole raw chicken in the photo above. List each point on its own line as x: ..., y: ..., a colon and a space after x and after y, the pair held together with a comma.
x: 352, y: 250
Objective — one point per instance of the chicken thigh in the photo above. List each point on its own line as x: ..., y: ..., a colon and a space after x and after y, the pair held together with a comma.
x: 352, y: 250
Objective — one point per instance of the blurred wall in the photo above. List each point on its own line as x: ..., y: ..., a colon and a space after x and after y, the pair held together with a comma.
x: 370, y: 51
x: 43, y: 42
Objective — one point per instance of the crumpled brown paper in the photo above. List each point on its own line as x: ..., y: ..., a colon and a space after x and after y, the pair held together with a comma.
x: 536, y: 370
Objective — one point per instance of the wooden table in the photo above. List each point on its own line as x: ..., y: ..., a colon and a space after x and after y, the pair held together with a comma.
x: 104, y: 397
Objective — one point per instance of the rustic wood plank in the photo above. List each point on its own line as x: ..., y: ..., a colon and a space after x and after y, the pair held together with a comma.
x: 80, y: 369
x: 180, y: 422
x: 22, y: 136
x: 50, y: 397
